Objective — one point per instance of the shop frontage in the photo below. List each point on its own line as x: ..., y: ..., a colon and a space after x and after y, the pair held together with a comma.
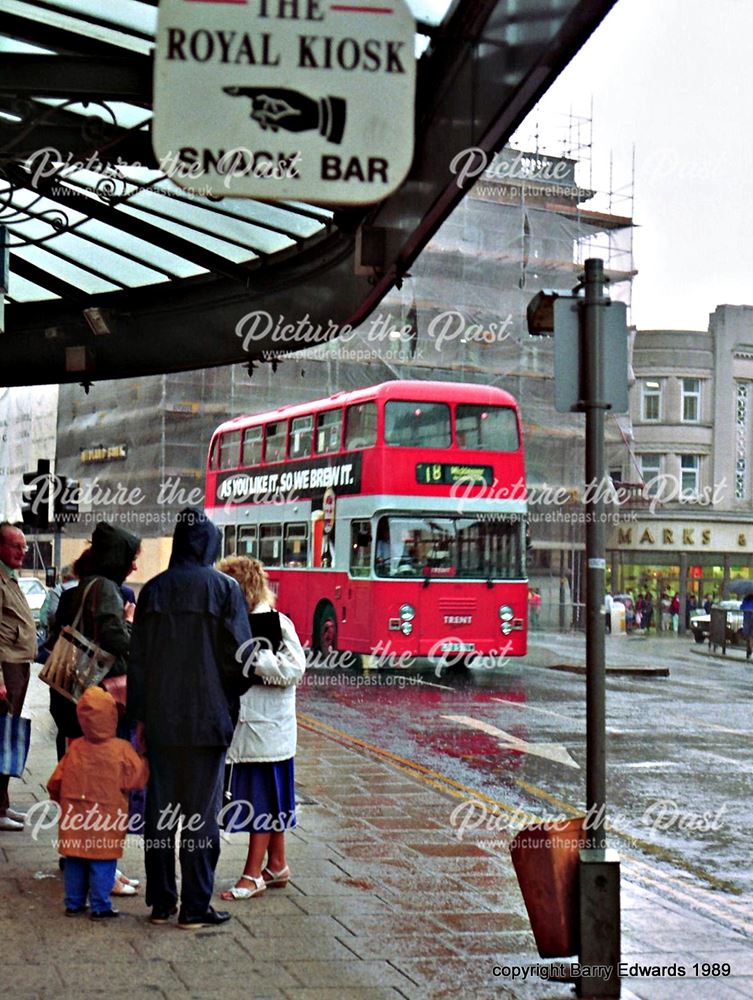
x: 688, y: 556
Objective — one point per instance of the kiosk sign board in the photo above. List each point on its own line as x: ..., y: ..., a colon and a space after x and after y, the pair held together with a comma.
x: 310, y: 100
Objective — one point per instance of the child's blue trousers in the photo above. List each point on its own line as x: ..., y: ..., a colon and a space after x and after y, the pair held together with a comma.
x: 83, y: 877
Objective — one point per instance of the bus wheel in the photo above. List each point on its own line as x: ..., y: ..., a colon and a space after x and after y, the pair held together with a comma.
x: 325, y: 630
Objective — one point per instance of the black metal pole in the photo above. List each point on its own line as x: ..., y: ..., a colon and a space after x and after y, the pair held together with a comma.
x: 594, y: 405
x: 599, y: 873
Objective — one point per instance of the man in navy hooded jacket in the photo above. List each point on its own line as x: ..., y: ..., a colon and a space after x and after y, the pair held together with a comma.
x: 185, y: 678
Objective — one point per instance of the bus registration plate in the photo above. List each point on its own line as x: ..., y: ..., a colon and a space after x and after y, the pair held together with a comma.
x: 457, y: 647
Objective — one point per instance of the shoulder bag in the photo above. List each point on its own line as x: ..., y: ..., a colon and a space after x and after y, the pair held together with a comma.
x: 76, y: 662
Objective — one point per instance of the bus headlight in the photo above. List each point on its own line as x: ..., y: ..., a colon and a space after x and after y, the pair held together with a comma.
x: 406, y: 628
x: 506, y: 613
x: 506, y: 628
x: 407, y: 614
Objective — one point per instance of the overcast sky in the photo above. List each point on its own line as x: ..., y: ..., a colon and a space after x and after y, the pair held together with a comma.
x: 675, y: 78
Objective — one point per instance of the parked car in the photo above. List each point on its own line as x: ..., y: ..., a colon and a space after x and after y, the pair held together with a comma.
x: 700, y: 623
x: 35, y: 592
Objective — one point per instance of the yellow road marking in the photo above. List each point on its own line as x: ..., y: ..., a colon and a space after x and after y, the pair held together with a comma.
x: 457, y: 789
x: 416, y: 770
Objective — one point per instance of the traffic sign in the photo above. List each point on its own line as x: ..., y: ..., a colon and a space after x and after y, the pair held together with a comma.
x: 568, y: 364
x: 277, y: 99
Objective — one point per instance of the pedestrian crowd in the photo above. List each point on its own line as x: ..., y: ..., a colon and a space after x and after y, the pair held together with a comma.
x: 195, y: 704
x: 664, y: 616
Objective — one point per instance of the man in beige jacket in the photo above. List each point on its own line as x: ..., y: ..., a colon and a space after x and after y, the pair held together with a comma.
x: 18, y: 645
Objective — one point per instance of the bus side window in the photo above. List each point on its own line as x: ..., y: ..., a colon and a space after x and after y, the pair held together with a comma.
x: 328, y: 431
x: 228, y: 542
x: 300, y: 436
x: 247, y: 540
x: 361, y: 425
x: 296, y: 553
x: 252, y: 442
x: 270, y: 544
x: 360, y: 548
x: 230, y: 444
x: 274, y: 450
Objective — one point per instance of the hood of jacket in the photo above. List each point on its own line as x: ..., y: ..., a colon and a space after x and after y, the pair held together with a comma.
x: 195, y: 540
x: 112, y: 552
x: 97, y: 715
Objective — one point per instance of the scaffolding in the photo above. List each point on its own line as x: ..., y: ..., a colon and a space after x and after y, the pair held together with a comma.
x: 529, y: 223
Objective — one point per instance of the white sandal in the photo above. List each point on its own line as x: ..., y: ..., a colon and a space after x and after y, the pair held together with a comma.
x: 238, y: 892
x: 276, y: 880
x: 124, y: 880
x: 123, y: 889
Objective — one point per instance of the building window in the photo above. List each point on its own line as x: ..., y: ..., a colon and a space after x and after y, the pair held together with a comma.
x: 651, y: 400
x: 650, y: 472
x: 691, y: 400
x: 689, y: 469
x: 741, y: 442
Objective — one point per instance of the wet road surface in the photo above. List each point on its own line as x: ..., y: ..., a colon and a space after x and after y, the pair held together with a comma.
x: 513, y: 738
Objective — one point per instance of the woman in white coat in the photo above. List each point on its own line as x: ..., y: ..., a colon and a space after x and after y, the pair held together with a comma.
x: 262, y: 779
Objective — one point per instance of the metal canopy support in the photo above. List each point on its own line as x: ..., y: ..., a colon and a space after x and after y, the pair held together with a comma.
x: 95, y: 209
x: 42, y: 126
x: 49, y: 281
x: 86, y: 78
x: 63, y: 40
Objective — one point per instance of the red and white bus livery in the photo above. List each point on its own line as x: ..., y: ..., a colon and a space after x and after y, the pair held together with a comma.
x: 390, y: 518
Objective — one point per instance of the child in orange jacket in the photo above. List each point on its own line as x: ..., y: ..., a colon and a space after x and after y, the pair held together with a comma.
x: 90, y: 783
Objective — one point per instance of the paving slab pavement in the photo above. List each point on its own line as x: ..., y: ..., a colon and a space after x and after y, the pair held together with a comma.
x: 384, y: 902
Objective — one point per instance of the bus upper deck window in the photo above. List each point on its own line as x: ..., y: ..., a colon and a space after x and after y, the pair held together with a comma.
x: 229, y: 449
x: 487, y: 428
x: 328, y: 431
x: 361, y: 425
x: 274, y: 450
x: 300, y: 436
x: 417, y: 425
x: 252, y: 445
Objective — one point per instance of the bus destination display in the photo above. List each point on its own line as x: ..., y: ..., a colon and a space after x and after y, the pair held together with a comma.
x: 447, y: 473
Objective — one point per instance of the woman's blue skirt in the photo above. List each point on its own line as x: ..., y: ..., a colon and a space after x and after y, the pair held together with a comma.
x: 260, y: 798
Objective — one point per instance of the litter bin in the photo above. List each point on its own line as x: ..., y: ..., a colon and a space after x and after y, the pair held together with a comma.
x: 618, y: 619
x: 546, y: 864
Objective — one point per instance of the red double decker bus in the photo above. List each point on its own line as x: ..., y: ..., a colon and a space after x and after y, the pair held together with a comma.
x: 391, y: 519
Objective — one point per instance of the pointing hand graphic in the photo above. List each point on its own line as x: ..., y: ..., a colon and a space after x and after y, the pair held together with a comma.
x: 278, y: 108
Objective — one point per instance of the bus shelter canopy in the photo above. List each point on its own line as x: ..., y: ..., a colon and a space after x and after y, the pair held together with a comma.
x: 112, y: 271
